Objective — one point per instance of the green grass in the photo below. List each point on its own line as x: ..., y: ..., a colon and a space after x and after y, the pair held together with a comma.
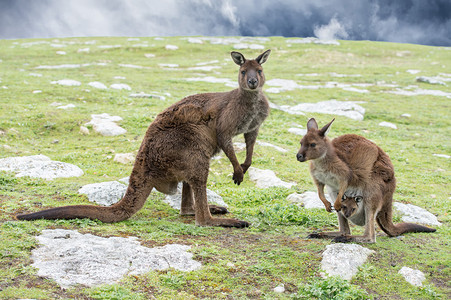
x: 237, y: 263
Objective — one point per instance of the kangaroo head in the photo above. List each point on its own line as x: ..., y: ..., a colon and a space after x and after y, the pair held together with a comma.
x: 251, y: 74
x: 350, y: 205
x: 314, y: 143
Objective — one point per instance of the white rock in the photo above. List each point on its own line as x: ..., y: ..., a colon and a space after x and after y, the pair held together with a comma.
x: 388, y: 124
x: 430, y: 80
x: 149, y: 55
x: 419, y: 92
x: 104, y: 124
x: 169, y: 65
x: 144, y: 95
x: 104, y: 193
x: 71, y: 258
x: 175, y: 201
x: 412, y: 276
x: 67, y: 82
x: 83, y: 50
x: 308, y: 200
x: 61, y: 52
x: 413, y: 71
x: 415, y: 214
x: 120, y: 86
x: 280, y: 149
x: 66, y: 106
x: 348, y: 109
x: 442, y: 155
x: 124, y: 158
x: 195, y: 41
x: 84, y: 130
x: 132, y: 66
x: 406, y: 115
x: 343, y: 260
x: 298, y: 131
x: 98, y: 85
x: 39, y: 166
x: 267, y: 178
x: 279, y: 289
x: 105, y: 117
x: 171, y: 47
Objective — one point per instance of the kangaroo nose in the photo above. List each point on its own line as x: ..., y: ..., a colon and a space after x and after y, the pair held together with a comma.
x: 300, y: 157
x: 252, y: 82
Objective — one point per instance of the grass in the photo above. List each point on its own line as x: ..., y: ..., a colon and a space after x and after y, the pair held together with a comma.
x: 237, y: 264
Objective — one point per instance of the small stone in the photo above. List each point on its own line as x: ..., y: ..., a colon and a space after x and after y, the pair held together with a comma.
x: 267, y: 178
x: 279, y: 289
x: 84, y: 130
x: 412, y: 276
x: 171, y: 47
x: 120, y: 86
x: 124, y: 158
x: 388, y: 124
x: 406, y: 115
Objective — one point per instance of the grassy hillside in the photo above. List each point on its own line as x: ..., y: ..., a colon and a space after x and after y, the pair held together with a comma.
x: 237, y: 263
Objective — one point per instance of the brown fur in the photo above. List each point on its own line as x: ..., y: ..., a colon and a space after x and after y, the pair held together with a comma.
x: 356, y: 166
x: 178, y: 146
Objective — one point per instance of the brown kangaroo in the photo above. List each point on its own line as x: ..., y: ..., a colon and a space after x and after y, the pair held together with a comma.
x: 178, y: 146
x: 353, y: 165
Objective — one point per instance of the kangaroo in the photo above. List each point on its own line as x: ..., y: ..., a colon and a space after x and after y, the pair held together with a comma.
x: 178, y: 146
x: 353, y: 165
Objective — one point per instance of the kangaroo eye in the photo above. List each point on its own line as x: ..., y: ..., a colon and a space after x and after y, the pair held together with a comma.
x: 243, y: 72
x: 259, y: 72
x: 313, y: 145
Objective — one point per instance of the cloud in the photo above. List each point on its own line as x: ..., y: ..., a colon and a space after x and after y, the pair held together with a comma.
x: 407, y: 21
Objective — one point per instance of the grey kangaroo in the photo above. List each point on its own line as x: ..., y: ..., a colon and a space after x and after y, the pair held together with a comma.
x: 353, y: 165
x: 178, y: 145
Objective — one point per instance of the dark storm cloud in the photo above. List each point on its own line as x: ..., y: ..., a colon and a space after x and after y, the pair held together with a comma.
x: 407, y: 21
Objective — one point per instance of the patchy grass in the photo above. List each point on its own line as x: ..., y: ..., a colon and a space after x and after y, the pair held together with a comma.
x: 237, y: 263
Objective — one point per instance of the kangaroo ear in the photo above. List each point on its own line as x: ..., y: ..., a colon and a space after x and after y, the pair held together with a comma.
x: 238, y: 58
x: 311, y: 124
x: 325, y: 129
x: 263, y: 57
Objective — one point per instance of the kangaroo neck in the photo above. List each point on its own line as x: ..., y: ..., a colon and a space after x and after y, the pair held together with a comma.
x: 249, y: 96
x: 328, y: 158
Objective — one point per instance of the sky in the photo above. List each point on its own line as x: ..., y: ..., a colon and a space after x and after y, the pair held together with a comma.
x: 426, y: 22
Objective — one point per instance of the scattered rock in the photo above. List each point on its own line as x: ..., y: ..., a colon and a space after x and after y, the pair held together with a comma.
x: 84, y: 130
x: 120, y: 86
x: 171, y: 47
x: 97, y: 85
x: 144, y: 95
x: 414, y: 277
x: 415, y: 214
x: 175, y: 201
x: 343, y: 260
x: 280, y: 149
x: 104, y: 124
x: 267, y: 178
x: 406, y: 115
x: 430, y: 80
x: 67, y: 82
x: 124, y: 158
x: 413, y: 72
x: 104, y: 193
x: 388, y: 124
x: 71, y: 258
x: 442, y: 155
x: 39, y: 166
x: 66, y: 106
x: 279, y: 289
x: 308, y: 200
x: 341, y: 108
x: 298, y: 131
x: 418, y: 92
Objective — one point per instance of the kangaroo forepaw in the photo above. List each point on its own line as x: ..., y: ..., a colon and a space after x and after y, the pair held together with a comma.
x: 314, y: 235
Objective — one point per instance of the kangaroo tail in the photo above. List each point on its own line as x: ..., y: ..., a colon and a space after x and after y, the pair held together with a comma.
x: 384, y: 219
x: 133, y: 200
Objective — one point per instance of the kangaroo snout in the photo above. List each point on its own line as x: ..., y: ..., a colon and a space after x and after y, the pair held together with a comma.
x: 252, y: 83
x: 300, y: 157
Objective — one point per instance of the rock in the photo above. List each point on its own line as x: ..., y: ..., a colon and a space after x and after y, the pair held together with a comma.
x: 308, y: 200
x: 430, y: 80
x: 98, y: 85
x: 388, y: 124
x: 84, y: 130
x: 104, y: 193
x: 267, y: 178
x: 415, y: 214
x: 175, y: 201
x: 279, y: 289
x: 343, y: 260
x: 120, y: 86
x: 171, y: 47
x: 280, y: 149
x: 442, y: 155
x: 298, y: 131
x: 413, y: 71
x: 39, y: 166
x: 125, y: 158
x: 348, y: 109
x: 144, y: 95
x: 104, y: 124
x: 66, y: 106
x: 406, y: 115
x: 67, y: 82
x: 71, y: 258
x: 414, y: 277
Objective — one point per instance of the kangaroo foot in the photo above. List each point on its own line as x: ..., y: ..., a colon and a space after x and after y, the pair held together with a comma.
x: 224, y: 223
x: 315, y: 235
x: 217, y: 210
x: 343, y: 239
